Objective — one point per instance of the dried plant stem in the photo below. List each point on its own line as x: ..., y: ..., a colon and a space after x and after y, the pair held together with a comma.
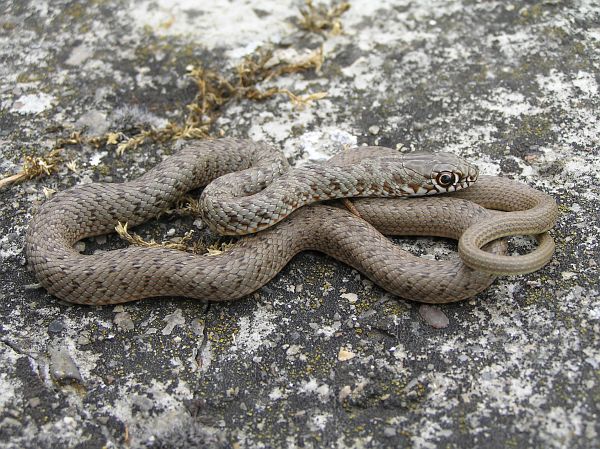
x: 215, y: 91
x: 134, y: 239
x: 182, y: 245
x: 320, y: 19
x: 34, y: 166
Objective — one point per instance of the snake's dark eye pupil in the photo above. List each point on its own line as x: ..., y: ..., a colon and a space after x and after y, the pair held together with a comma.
x: 445, y: 179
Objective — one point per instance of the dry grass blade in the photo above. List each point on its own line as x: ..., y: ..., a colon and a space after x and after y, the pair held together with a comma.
x: 187, y: 206
x: 154, y: 135
x: 260, y: 67
x: 215, y: 91
x: 75, y: 138
x: 35, y: 166
x: 219, y: 248
x: 181, y: 245
x: 320, y: 19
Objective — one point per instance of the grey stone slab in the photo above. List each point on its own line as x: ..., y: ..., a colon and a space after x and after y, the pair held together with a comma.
x: 320, y: 357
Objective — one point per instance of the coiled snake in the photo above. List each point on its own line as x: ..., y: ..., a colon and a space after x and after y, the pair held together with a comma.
x: 252, y: 189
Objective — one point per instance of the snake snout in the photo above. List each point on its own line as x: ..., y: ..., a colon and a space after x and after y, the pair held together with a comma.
x: 473, y: 173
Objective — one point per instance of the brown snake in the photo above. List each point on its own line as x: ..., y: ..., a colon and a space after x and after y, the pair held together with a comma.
x: 256, y: 195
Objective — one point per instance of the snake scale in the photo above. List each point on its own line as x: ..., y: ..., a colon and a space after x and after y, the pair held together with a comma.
x: 250, y: 188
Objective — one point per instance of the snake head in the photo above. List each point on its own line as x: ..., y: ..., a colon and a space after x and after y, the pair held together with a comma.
x: 452, y: 173
x: 439, y: 172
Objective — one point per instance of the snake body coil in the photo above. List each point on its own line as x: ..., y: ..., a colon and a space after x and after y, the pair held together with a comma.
x: 250, y: 193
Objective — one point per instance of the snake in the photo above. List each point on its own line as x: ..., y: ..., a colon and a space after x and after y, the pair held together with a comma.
x: 251, y: 191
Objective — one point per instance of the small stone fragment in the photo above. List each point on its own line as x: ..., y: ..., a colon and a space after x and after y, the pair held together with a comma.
x: 56, y: 327
x: 389, y: 432
x: 345, y: 354
x: 11, y: 422
x: 62, y: 367
x: 293, y: 350
x: 344, y: 393
x: 434, y: 316
x: 197, y: 327
x: 374, y: 129
x: 123, y: 321
x: 351, y: 297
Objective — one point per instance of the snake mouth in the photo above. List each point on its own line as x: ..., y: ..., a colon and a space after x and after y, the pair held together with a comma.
x: 467, y: 179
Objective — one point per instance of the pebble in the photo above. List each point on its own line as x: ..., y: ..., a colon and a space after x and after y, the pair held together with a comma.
x: 62, y: 367
x: 83, y: 340
x: 197, y: 327
x: 293, y: 350
x: 374, y: 129
x: 12, y: 422
x: 344, y: 393
x: 434, y: 317
x: 389, y: 432
x: 56, y: 327
x: 344, y: 354
x: 351, y: 297
x: 123, y: 321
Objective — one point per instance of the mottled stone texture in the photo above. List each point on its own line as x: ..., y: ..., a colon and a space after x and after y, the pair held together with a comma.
x: 320, y: 357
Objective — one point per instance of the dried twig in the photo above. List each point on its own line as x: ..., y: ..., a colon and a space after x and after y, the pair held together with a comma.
x: 134, y: 239
x: 215, y: 91
x: 34, y: 166
x: 187, y: 206
x: 183, y: 244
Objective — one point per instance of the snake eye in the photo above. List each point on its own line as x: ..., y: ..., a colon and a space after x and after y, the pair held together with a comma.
x: 445, y: 178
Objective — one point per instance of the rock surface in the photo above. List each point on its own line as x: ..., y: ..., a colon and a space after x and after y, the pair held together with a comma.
x: 320, y: 357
